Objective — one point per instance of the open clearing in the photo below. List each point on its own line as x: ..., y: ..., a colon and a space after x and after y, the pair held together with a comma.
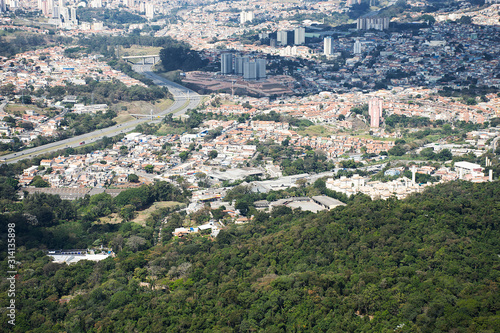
x: 143, y: 215
x: 137, y: 50
x: 125, y: 109
x: 316, y: 130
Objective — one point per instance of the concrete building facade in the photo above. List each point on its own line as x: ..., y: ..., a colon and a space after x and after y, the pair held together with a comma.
x: 300, y: 35
x: 375, y: 106
x: 328, y: 46
x: 226, y: 63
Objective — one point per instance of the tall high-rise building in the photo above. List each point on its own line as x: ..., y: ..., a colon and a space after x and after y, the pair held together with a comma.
x: 65, y: 14
x: 150, y: 10
x: 45, y: 8
x: 246, y: 17
x: 300, y: 35
x: 261, y: 68
x: 3, y: 6
x: 254, y: 70
x: 375, y: 111
x: 282, y: 37
x: 357, y: 47
x: 250, y: 70
x: 226, y: 63
x: 73, y: 15
x: 239, y: 63
x: 55, y: 12
x: 372, y: 22
x: 328, y: 46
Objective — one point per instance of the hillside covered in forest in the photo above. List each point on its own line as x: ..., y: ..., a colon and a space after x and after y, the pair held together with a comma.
x: 429, y: 263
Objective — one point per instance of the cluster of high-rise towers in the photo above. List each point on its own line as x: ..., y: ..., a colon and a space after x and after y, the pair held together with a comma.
x: 251, y: 69
x: 57, y: 10
x: 65, y: 16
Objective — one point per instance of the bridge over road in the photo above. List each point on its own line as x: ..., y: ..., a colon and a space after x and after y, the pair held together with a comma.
x: 145, y: 59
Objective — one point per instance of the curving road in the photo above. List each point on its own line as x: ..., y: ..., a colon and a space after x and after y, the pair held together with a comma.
x: 184, y: 99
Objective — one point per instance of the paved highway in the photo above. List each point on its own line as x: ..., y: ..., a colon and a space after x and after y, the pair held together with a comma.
x: 184, y: 99
x: 182, y: 95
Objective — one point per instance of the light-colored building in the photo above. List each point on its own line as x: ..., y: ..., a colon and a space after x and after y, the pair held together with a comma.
x: 328, y: 46
x: 250, y: 70
x: 300, y: 35
x: 238, y: 64
x: 373, y: 22
x: 246, y: 17
x: 357, y: 47
x: 375, y: 107
x: 282, y: 37
x: 150, y: 10
x: 96, y: 4
x: 261, y: 68
x: 226, y: 63
x: 467, y: 168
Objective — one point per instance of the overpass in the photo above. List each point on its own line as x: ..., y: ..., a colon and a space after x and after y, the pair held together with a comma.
x: 143, y: 58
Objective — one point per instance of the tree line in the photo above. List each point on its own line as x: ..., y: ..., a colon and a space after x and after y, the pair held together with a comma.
x: 427, y: 263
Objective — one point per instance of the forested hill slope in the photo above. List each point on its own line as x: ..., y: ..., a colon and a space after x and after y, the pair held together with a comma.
x: 429, y: 263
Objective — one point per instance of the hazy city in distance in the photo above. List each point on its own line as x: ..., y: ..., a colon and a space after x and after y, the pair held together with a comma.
x: 250, y: 166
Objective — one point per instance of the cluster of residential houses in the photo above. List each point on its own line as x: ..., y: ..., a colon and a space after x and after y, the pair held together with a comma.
x: 326, y: 107
x: 42, y: 125
x: 401, y: 187
x: 49, y: 67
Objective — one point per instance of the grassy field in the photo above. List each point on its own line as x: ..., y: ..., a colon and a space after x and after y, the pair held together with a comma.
x: 137, y: 50
x: 316, y: 130
x: 369, y: 137
x: 12, y: 108
x: 33, y: 22
x: 143, y: 215
x: 138, y: 107
x: 165, y: 130
x: 123, y: 118
x: 20, y: 109
x: 111, y: 219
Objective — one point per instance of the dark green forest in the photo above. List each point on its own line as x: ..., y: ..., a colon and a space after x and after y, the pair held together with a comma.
x: 181, y: 57
x: 429, y: 263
